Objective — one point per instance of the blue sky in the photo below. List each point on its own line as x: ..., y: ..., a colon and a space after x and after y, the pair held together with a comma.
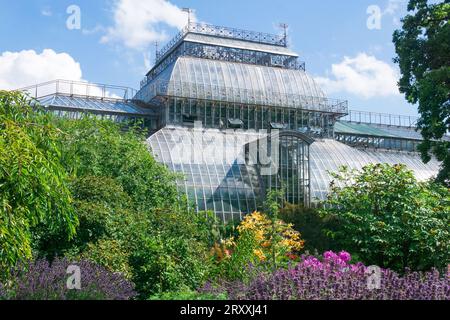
x: 115, y: 42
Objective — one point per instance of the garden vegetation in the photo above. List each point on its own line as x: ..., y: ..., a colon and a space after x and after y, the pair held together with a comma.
x: 88, y: 192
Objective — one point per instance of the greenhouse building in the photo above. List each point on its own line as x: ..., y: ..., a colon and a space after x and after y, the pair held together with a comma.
x: 237, y: 114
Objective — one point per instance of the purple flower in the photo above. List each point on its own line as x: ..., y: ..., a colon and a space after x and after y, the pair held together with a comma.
x: 330, y: 255
x: 345, y: 256
x: 335, y: 279
x: 40, y: 280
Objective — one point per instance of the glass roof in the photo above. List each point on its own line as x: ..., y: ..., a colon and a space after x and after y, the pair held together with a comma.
x: 361, y: 129
x: 328, y: 155
x: 377, y: 130
x: 94, y: 105
x: 218, y: 178
x: 240, y: 44
x: 240, y: 83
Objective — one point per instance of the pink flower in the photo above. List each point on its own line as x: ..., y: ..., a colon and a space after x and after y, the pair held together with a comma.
x: 312, y: 262
x: 330, y: 256
x: 345, y: 256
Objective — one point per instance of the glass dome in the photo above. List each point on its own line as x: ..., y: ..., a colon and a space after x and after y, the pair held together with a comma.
x: 208, y: 79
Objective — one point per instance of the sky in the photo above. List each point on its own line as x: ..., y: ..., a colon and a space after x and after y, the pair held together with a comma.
x: 347, y: 45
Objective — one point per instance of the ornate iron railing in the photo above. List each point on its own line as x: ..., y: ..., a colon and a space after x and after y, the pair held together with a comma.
x: 381, y: 119
x: 224, y: 32
x: 79, y: 88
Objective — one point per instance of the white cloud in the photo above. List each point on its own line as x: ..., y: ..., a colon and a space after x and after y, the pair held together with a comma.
x: 364, y: 76
x: 25, y: 68
x: 137, y: 22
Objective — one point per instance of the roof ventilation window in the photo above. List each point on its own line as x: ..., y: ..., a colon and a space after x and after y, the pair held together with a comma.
x: 278, y: 126
x: 235, y: 123
x: 189, y: 118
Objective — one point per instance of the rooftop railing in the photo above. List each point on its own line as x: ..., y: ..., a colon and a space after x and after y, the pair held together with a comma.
x: 241, y: 96
x: 79, y: 88
x: 224, y: 32
x: 224, y: 54
x: 381, y: 119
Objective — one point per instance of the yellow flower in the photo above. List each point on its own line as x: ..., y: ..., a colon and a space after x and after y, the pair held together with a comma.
x: 260, y: 254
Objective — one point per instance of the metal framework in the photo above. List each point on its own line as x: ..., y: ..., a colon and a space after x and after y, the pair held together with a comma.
x: 291, y: 172
x: 381, y: 119
x: 217, y: 178
x: 221, y: 53
x: 216, y: 114
x: 191, y: 90
x: 388, y: 143
x: 224, y: 32
x: 80, y: 89
x: 75, y: 99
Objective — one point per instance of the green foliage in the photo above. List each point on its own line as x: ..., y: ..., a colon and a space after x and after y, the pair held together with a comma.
x: 389, y: 219
x: 262, y: 242
x: 131, y: 218
x: 165, y: 264
x: 209, y: 229
x: 273, y: 204
x: 235, y: 265
x: 312, y: 226
x: 90, y: 190
x: 33, y: 184
x: 93, y: 147
x: 109, y: 253
x: 160, y: 250
x: 167, y: 252
x: 423, y: 54
x: 102, y: 208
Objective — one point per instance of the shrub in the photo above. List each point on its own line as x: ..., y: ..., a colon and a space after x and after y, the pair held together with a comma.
x: 93, y: 147
x: 3, y: 293
x: 389, y: 219
x: 313, y: 227
x: 40, y: 280
x: 160, y: 250
x: 101, y: 207
x: 109, y: 253
x: 167, y: 252
x: 265, y: 231
x: 333, y: 278
x: 58, y: 172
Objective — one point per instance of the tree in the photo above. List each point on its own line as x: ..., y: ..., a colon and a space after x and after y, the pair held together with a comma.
x: 33, y: 183
x: 389, y: 219
x: 423, y: 54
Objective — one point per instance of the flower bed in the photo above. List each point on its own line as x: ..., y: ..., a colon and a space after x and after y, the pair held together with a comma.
x: 334, y: 278
x: 39, y: 280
